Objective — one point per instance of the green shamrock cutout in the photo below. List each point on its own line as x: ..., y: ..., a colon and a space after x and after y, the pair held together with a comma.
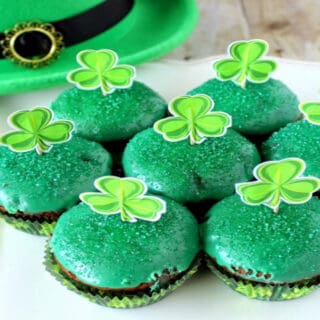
x: 278, y: 181
x: 125, y: 196
x: 245, y: 63
x: 99, y: 69
x: 192, y: 118
x: 35, y: 130
x: 311, y: 111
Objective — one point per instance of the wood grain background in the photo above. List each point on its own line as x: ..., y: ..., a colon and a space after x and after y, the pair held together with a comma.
x: 292, y: 28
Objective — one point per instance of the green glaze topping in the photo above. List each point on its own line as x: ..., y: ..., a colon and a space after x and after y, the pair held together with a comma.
x: 35, y: 130
x: 311, y: 111
x: 102, y: 251
x: 125, y: 196
x: 192, y: 117
x: 299, y: 139
x: 278, y: 181
x: 256, y: 245
x: 115, y: 117
x: 33, y: 184
x: 260, y: 109
x: 244, y: 63
x: 99, y: 70
x: 190, y: 173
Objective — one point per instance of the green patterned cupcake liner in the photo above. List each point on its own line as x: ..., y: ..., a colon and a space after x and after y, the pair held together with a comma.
x: 40, y: 228
x: 108, y: 299
x: 263, y: 291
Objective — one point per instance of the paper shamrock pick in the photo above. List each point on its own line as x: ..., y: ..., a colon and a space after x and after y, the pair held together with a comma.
x: 244, y: 63
x: 311, y: 111
x: 193, y: 119
x: 125, y: 196
x: 35, y: 130
x: 278, y: 181
x: 99, y: 69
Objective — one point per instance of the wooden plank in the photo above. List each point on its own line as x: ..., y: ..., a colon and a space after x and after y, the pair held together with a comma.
x: 220, y: 22
x: 291, y: 27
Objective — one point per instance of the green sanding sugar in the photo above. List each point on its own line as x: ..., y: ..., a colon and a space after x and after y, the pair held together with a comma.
x: 187, y: 172
x: 258, y: 109
x: 299, y: 139
x: 268, y: 247
x: 116, y: 116
x: 53, y: 181
x: 104, y: 251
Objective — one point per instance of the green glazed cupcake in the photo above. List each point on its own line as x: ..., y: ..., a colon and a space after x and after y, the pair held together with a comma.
x: 265, y: 254
x: 261, y: 254
x: 107, y: 105
x: 299, y: 139
x: 258, y: 104
x: 190, y: 173
x: 259, y: 109
x: 117, y: 116
x: 118, y: 263
x: 36, y: 187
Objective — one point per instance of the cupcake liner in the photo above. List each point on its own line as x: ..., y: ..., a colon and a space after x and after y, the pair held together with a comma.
x: 264, y: 291
x: 41, y: 228
x: 109, y: 299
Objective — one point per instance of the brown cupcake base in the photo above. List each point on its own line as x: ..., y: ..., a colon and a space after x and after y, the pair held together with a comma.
x: 164, y: 280
x: 147, y: 294
x: 37, y: 224
x: 263, y: 291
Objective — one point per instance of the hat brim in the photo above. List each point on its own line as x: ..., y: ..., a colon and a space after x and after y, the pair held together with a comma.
x: 151, y: 29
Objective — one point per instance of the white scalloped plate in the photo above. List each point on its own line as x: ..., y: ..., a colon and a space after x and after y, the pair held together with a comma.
x: 28, y: 292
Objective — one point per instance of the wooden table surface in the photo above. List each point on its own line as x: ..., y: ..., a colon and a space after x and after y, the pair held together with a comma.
x: 292, y: 28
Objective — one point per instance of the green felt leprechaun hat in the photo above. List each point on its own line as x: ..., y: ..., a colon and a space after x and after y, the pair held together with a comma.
x: 39, y: 40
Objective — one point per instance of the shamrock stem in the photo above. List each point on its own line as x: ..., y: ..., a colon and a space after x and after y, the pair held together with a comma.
x: 42, y: 147
x: 124, y: 215
x: 39, y: 151
x: 104, y: 87
x: 242, y: 79
x: 275, y: 201
x: 194, y: 137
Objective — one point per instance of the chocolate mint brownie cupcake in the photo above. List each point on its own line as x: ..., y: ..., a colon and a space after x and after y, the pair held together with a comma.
x: 258, y: 106
x: 265, y: 254
x: 206, y: 166
x: 129, y: 260
x: 299, y: 139
x: 36, y: 187
x: 100, y: 112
